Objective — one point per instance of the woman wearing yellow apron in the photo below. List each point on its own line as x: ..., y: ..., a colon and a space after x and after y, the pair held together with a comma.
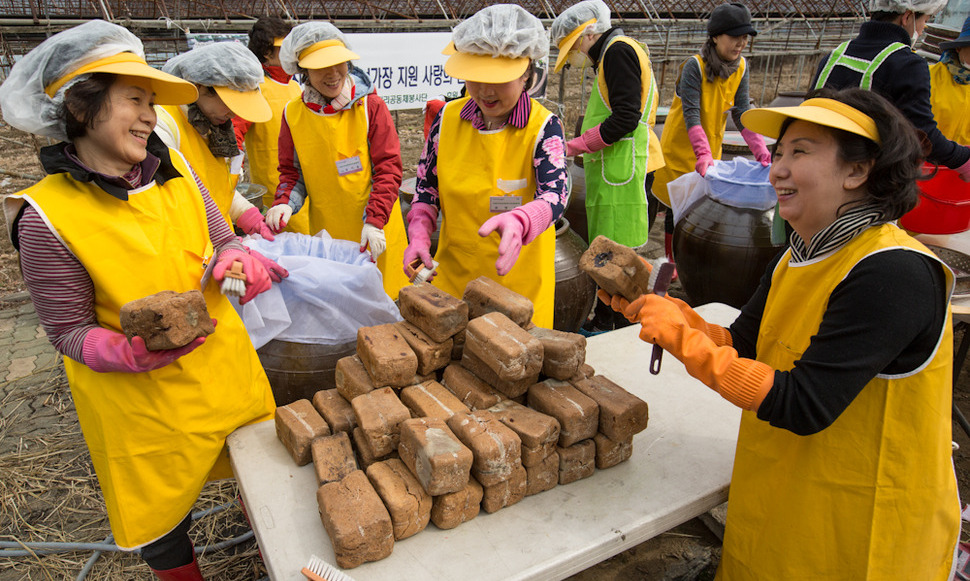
x: 710, y: 85
x: 842, y: 361
x: 493, y: 162
x: 261, y: 139
x: 339, y: 154
x: 950, y: 87
x: 227, y: 76
x: 120, y: 217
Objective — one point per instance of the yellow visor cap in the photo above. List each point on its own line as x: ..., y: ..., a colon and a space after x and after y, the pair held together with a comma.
x: 483, y: 68
x: 250, y: 105
x: 169, y: 89
x: 821, y: 111
x: 566, y: 44
x: 325, y: 53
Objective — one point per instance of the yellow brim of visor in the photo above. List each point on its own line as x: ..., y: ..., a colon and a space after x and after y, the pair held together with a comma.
x: 566, y: 44
x: 169, y: 89
x: 483, y: 68
x: 325, y: 53
x: 250, y: 105
x: 821, y: 111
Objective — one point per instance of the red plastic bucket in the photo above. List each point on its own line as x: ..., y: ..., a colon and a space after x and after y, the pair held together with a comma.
x: 944, y: 204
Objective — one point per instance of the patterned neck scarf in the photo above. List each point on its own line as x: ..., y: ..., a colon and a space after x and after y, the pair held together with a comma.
x: 318, y: 102
x: 960, y: 73
x: 220, y: 138
x: 714, y: 66
x: 835, y: 235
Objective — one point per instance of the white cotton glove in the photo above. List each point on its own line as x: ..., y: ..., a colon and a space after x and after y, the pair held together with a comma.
x: 372, y: 236
x: 278, y: 216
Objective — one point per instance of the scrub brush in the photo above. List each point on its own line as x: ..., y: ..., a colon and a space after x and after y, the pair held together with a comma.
x: 319, y: 570
x: 234, y: 283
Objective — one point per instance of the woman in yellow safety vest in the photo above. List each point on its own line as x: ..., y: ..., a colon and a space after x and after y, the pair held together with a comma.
x: 493, y: 162
x: 950, y: 87
x: 118, y: 217
x: 227, y: 76
x: 841, y: 361
x: 261, y: 140
x: 339, y: 154
x: 710, y: 85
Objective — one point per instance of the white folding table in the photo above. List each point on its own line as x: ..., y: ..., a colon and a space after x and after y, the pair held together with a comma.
x: 681, y: 468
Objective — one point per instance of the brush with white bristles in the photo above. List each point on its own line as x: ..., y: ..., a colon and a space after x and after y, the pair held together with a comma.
x: 319, y: 570
x: 234, y: 283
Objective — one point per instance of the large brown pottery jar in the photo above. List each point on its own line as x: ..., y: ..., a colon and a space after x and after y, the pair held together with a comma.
x: 722, y: 251
x: 576, y: 207
x: 575, y: 290
x: 299, y: 370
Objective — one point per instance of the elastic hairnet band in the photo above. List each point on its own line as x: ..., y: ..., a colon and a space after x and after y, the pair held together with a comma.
x: 121, y: 57
x: 320, y: 45
x: 864, y: 121
x: 578, y: 30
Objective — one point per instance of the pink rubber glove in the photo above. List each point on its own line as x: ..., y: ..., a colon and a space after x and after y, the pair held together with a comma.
x: 105, y: 350
x: 756, y: 144
x: 702, y: 149
x: 276, y: 272
x: 517, y: 227
x: 257, y: 279
x: 964, y: 171
x: 422, y: 222
x: 588, y: 142
x: 251, y: 222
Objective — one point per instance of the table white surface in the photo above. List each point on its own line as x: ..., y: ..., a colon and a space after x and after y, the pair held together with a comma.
x: 681, y: 468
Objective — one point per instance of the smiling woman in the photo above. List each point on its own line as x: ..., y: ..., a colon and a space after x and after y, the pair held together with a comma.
x: 842, y: 360
x: 120, y: 217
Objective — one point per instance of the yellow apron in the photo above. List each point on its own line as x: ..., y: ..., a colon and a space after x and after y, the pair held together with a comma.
x: 213, y: 171
x: 155, y: 438
x: 324, y: 144
x: 471, y: 165
x: 950, y: 103
x: 874, y: 495
x: 717, y: 99
x: 262, y: 147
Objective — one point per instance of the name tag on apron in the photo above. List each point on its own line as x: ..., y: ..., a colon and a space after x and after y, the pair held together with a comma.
x: 498, y: 204
x: 349, y: 165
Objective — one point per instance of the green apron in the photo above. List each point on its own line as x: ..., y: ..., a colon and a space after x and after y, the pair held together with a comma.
x: 616, y: 201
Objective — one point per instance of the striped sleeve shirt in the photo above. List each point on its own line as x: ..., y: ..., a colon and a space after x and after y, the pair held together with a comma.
x: 60, y: 287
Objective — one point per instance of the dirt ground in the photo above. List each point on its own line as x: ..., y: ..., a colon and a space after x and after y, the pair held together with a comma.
x: 48, y: 491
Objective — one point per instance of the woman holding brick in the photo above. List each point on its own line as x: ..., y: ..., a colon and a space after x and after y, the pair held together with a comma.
x: 493, y: 162
x: 339, y: 154
x: 120, y: 217
x: 842, y: 361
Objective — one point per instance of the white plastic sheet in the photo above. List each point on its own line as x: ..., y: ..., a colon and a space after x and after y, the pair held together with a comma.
x: 333, y: 289
x: 740, y: 183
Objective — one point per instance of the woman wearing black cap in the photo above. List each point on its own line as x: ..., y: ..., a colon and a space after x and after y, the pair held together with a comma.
x: 710, y: 83
x: 950, y: 87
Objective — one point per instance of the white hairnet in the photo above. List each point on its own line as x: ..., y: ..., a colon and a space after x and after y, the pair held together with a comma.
x: 505, y: 30
x: 220, y: 64
x: 921, y: 6
x: 303, y: 37
x: 572, y: 17
x: 24, y: 103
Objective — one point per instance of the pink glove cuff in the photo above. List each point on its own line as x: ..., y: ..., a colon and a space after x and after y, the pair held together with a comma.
x: 698, y: 141
x: 89, y: 349
x: 535, y: 216
x: 756, y: 144
x: 593, y: 139
x: 249, y: 220
x: 425, y: 214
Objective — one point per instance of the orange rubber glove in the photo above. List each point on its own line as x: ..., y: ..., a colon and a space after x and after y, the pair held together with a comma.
x: 717, y: 333
x: 743, y: 382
